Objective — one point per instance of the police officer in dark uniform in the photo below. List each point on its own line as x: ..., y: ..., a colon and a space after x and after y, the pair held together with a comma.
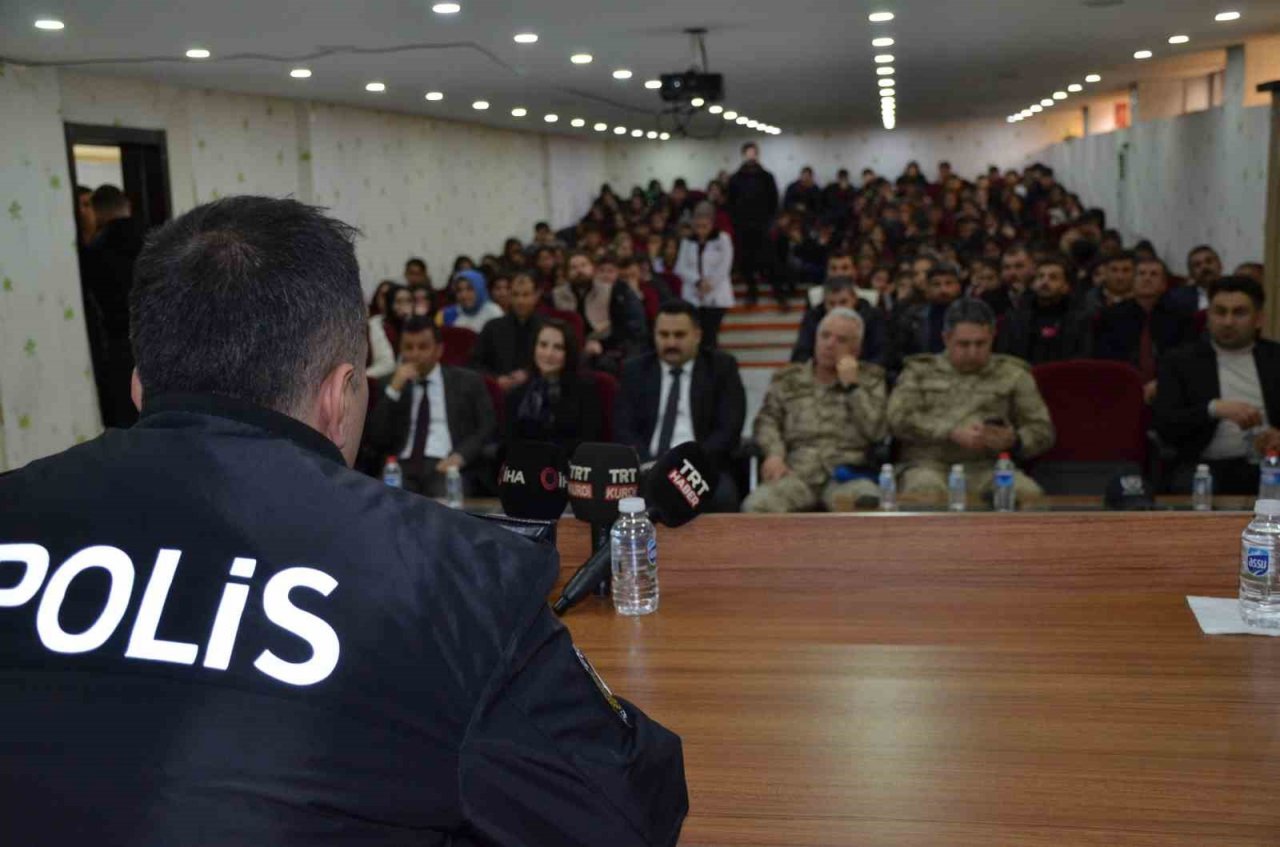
x: 213, y: 632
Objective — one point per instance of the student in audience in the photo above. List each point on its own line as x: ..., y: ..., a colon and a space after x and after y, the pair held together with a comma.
x: 1218, y: 401
x: 966, y: 406
x: 682, y: 392
x: 804, y: 193
x: 513, y: 257
x: 1048, y: 326
x: 1017, y: 272
x: 545, y: 269
x: 85, y: 222
x: 1120, y: 271
x: 839, y: 292
x: 472, y: 308
x: 817, y: 427
x: 753, y: 201
x: 500, y: 292
x: 1253, y: 270
x: 384, y: 332
x: 415, y: 273
x: 612, y: 314
x: 837, y: 198
x: 1143, y: 328
x: 630, y: 272
x: 431, y: 416
x: 1204, y: 267
x: 504, y: 349
x: 705, y: 266
x: 424, y: 300
x: 984, y: 278
x: 557, y: 403
x: 378, y: 304
x: 919, y: 329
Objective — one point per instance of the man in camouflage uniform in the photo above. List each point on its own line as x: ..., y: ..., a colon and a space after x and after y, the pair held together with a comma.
x: 966, y: 406
x: 818, y: 421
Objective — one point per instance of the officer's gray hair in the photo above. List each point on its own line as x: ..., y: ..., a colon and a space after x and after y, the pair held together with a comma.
x: 966, y: 310
x: 847, y: 314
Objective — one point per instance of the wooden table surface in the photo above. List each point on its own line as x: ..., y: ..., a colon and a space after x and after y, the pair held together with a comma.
x: 1031, y: 679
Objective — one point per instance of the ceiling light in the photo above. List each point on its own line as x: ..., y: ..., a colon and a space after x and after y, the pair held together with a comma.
x: 376, y: 87
x: 577, y: 123
x: 886, y: 70
x: 53, y: 24
x: 480, y: 105
x: 1074, y: 87
x: 637, y: 133
x: 887, y: 101
x: 622, y: 73
x: 741, y: 120
x: 884, y: 58
x: 882, y: 42
x: 753, y: 123
x: 1142, y: 54
x: 600, y: 127
x: 651, y: 135
x: 526, y: 38
x: 880, y: 17
x: 887, y: 92
x: 1048, y: 101
x: 885, y: 83
x: 1011, y: 119
x: 731, y: 115
x: 1059, y: 95
x: 446, y: 8
x: 1037, y: 108
x: 716, y: 109
x: 663, y: 136
x: 697, y: 102
x: 197, y: 53
x: 519, y: 112
x: 552, y: 118
x: 619, y: 130
x: 1179, y: 39
x: 300, y: 73
x: 580, y: 58
x: 1221, y: 17
x: 435, y: 95
x: 653, y: 84
x: 889, y: 122
x: 1093, y: 78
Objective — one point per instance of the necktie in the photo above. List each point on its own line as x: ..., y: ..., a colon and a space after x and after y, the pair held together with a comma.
x: 1146, y: 351
x: 669, y: 414
x: 418, y: 453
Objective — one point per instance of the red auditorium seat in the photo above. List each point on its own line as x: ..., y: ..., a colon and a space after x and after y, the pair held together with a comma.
x: 458, y: 343
x: 1101, y: 423
x: 607, y: 389
x: 573, y: 319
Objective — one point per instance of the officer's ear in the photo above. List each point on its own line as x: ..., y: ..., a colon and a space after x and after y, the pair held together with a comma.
x: 334, y: 408
x: 135, y: 390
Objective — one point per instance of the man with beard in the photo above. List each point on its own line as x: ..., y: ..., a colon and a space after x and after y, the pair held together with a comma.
x: 1048, y: 327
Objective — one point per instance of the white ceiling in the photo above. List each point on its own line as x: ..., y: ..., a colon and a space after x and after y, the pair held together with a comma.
x: 799, y: 64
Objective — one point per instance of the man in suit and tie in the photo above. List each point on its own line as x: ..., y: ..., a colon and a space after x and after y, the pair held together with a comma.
x: 681, y: 393
x: 1218, y: 400
x: 430, y: 416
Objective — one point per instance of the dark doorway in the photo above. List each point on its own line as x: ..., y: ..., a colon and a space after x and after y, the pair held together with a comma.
x: 135, y: 162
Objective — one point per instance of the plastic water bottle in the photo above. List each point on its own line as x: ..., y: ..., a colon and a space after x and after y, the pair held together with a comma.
x: 453, y: 488
x: 1269, y: 477
x: 1004, y: 498
x: 391, y: 473
x: 1259, y: 544
x: 633, y: 549
x: 957, y: 489
x: 888, y: 489
x: 1202, y: 490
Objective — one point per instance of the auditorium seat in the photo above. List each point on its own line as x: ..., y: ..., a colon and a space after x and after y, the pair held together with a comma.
x: 1100, y: 419
x: 458, y: 343
x: 573, y: 319
x: 607, y: 389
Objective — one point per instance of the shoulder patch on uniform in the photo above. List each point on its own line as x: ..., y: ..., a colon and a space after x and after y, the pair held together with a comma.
x: 603, y: 688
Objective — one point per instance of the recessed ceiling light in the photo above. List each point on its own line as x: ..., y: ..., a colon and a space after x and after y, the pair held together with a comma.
x: 446, y: 8
x: 300, y: 73
x: 752, y: 123
x: 663, y: 136
x: 50, y: 24
x: 884, y: 70
x: 882, y: 42
x: 197, y: 53
x: 697, y: 102
x: 1012, y: 119
x: 1059, y: 95
x: 581, y: 58
x: 880, y: 17
x: 435, y: 95
x: 519, y: 112
x: 1179, y: 39
x: 888, y: 100
x: 651, y: 135
x: 1093, y: 78
x: 885, y: 83
x: 1047, y: 102
x: 1037, y: 108
x: 619, y: 130
x: 730, y: 115
x: 741, y: 120
x: 1074, y: 87
x: 480, y: 105
x: 637, y: 133
x: 526, y: 38
x: 622, y: 73
x: 577, y: 123
x: 1223, y: 17
x: 1142, y: 54
x: 884, y: 58
x: 889, y: 122
x: 653, y: 84
x: 376, y: 87
x: 600, y: 127
x: 552, y: 118
x: 716, y: 109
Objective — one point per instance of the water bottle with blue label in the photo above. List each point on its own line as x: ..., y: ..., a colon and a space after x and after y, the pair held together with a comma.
x: 1269, y: 477
x: 888, y: 488
x: 957, y: 489
x: 391, y: 473
x: 633, y: 549
x: 1259, y: 544
x: 1004, y: 497
x: 453, y: 488
x: 1202, y: 490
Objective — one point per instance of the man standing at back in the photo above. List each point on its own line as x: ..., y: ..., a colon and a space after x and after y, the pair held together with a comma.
x: 753, y: 201
x: 213, y: 632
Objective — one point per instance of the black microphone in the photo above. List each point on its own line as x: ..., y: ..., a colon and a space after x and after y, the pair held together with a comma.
x: 531, y: 481
x: 600, y: 476
x: 678, y: 488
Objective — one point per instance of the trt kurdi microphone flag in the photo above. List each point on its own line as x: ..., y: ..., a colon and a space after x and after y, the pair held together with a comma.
x: 600, y: 476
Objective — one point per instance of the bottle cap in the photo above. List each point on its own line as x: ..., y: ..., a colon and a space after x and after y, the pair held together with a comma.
x: 633, y: 505
x: 391, y: 460
x: 1270, y: 508
x: 957, y: 468
x: 1202, y: 468
x: 1004, y: 455
x: 1273, y: 453
x: 887, y: 467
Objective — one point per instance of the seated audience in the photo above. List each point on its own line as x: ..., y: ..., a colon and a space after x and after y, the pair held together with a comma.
x: 804, y: 193
x: 1141, y: 329
x: 378, y: 304
x: 1017, y: 272
x: 918, y: 329
x: 683, y: 392
x: 1120, y: 271
x: 705, y: 265
x: 1253, y: 270
x: 504, y: 349
x: 966, y: 406
x: 500, y: 292
x: 839, y: 292
x: 819, y: 422
x: 1218, y: 401
x: 415, y: 273
x: 557, y: 403
x: 612, y: 314
x: 431, y: 416
x: 424, y: 300
x: 472, y: 307
x: 1204, y: 268
x: 630, y: 272
x: 545, y: 269
x: 385, y: 330
x: 1047, y: 326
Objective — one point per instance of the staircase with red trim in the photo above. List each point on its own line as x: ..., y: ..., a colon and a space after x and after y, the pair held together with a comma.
x: 760, y: 338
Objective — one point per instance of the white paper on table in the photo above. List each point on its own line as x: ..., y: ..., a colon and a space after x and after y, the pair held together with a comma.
x: 1221, y: 616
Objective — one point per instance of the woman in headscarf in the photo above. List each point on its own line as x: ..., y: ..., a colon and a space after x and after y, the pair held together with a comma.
x: 472, y: 308
x: 557, y: 404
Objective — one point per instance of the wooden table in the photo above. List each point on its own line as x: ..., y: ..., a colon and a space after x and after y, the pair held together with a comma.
x: 1031, y: 679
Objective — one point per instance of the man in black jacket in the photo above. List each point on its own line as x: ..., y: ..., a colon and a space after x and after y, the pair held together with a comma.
x: 612, y: 314
x: 753, y: 201
x: 432, y: 417
x: 1048, y: 326
x: 682, y: 393
x: 1141, y: 329
x: 213, y: 632
x: 840, y: 292
x: 1218, y: 400
x: 504, y: 349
